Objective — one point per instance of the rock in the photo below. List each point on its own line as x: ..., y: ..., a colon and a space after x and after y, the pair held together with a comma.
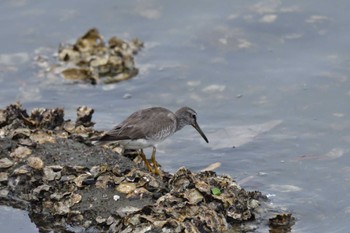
x: 4, y: 193
x: 100, y: 220
x: 126, y: 187
x: 35, y: 162
x: 21, y: 152
x: 84, y: 116
x: 3, y: 176
x: 41, y: 188
x: 193, y: 196
x: 22, y: 170
x: 52, y: 173
x: 124, y: 211
x: 5, y: 163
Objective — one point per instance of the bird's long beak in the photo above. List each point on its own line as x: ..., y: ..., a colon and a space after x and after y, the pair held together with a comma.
x: 196, y: 126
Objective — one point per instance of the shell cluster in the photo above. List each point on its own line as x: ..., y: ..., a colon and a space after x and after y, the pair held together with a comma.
x: 92, y: 60
x: 48, y: 167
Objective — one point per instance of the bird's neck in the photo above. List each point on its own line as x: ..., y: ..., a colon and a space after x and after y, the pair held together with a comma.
x: 180, y: 123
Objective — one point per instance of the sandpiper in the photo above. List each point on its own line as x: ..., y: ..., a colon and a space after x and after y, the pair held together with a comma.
x: 147, y: 127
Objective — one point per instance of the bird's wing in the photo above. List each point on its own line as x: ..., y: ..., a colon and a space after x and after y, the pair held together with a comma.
x: 134, y: 128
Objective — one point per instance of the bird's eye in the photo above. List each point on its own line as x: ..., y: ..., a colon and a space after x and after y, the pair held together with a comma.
x: 194, y: 116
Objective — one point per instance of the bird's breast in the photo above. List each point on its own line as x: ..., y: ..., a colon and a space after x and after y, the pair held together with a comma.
x: 162, y: 134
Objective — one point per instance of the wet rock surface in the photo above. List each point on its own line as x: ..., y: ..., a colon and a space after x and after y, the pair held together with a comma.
x: 49, y: 167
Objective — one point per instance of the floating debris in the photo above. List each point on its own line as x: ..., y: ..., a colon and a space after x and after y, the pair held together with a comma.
x: 50, y: 168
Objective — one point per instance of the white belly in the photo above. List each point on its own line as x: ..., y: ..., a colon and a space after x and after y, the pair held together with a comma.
x: 137, y: 144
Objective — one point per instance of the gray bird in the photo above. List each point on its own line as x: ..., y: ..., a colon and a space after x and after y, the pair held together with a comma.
x: 148, y: 127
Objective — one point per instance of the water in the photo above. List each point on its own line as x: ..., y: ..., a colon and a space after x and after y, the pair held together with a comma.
x: 241, y: 64
x: 15, y: 220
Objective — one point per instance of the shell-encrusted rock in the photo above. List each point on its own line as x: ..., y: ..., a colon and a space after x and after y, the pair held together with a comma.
x: 193, y: 196
x: 116, y: 170
x: 20, y: 133
x: 103, y: 181
x: 40, y: 137
x: 79, y: 74
x: 168, y: 198
x: 80, y: 169
x: 69, y: 126
x: 67, y: 178
x: 21, y: 152
x: 50, y: 173
x: 181, y: 180
x: 117, y: 180
x: 115, y: 227
x: 4, y: 176
x: 153, y: 219
x: 254, y: 203
x: 189, y: 227
x: 47, y: 204
x: 203, y: 187
x: 22, y: 170
x: 58, y: 196
x: 124, y: 211
x: 61, y: 208
x: 213, y: 221
x: 4, y: 193
x: 226, y: 198
x: 97, y: 170
x: 139, y: 193
x: 68, y: 54
x: 26, y: 142
x: 84, y: 116
x: 3, y: 117
x: 74, y: 199
x: 35, y: 162
x: 41, y: 188
x: 134, y: 220
x: 238, y: 212
x: 80, y: 179
x: 126, y: 187
x: 118, y: 150
x: 47, y: 118
x: 5, y: 163
x: 100, y: 219
x: 76, y: 217
x: 110, y: 220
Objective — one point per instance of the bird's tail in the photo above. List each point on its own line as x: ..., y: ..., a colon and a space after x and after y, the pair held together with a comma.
x: 97, y: 141
x: 101, y: 140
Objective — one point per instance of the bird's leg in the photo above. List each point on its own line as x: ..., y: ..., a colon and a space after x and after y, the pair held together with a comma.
x: 143, y: 156
x: 153, y: 158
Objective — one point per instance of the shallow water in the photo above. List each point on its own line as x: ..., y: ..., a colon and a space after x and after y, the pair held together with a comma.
x: 269, y: 80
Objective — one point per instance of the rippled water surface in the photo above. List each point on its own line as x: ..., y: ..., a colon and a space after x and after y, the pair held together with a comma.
x: 269, y: 80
